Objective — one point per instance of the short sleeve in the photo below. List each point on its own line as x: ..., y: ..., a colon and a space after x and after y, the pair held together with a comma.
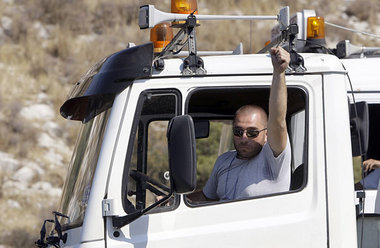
x: 279, y: 163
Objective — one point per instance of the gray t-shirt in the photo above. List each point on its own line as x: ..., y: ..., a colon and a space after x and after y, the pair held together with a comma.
x: 234, y: 178
x: 371, y: 181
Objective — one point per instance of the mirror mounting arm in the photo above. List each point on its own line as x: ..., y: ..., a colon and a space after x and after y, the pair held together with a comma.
x: 121, y: 221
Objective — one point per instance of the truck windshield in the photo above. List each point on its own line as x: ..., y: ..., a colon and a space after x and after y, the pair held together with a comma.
x: 77, y: 187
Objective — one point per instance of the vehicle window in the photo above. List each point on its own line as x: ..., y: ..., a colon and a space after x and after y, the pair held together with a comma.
x: 77, y: 187
x: 209, y: 148
x: 297, y: 139
x: 373, y: 151
x: 148, y: 179
x: 218, y: 106
x: 158, y: 159
x: 374, y: 131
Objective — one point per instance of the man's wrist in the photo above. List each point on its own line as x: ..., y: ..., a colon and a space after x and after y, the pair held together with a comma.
x: 279, y: 69
x: 280, y: 73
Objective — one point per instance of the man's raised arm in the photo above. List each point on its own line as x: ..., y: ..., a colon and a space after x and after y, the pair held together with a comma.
x: 277, y: 133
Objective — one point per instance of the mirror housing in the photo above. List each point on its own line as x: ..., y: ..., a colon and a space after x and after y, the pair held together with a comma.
x: 182, y: 166
x: 182, y: 154
x: 359, y: 124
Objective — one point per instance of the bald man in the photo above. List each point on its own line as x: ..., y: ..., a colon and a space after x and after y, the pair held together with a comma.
x: 261, y: 162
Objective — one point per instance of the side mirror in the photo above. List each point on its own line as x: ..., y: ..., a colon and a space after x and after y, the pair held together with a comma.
x: 182, y: 154
x: 182, y: 166
x: 359, y: 128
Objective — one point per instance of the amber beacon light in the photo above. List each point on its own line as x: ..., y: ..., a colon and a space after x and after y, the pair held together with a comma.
x: 184, y: 6
x: 161, y: 35
x: 315, y: 27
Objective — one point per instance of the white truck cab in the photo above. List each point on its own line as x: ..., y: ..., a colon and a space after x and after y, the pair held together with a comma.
x: 153, y: 126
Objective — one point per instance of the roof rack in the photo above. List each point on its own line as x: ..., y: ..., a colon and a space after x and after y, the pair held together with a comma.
x: 237, y: 51
x: 149, y: 16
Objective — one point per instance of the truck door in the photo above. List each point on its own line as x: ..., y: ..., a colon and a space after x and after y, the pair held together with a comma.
x: 293, y: 217
x: 143, y: 177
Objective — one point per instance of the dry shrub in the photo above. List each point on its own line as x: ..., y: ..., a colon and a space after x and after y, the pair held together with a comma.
x: 364, y: 10
x: 40, y: 62
x: 20, y: 227
x: 16, y: 135
x: 19, y: 238
x: 62, y: 44
x: 226, y: 35
x: 12, y: 54
x: 56, y: 178
x: 71, y: 15
x: 15, y: 83
x: 2, y: 180
x: 113, y: 16
x: 19, y: 29
x: 4, y: 137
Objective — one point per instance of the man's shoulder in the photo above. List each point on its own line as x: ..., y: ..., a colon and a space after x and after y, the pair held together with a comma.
x: 227, y: 156
x: 267, y: 150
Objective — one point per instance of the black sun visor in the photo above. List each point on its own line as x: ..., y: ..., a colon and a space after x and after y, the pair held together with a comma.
x: 96, y: 90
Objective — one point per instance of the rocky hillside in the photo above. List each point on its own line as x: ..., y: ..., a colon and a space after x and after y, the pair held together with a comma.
x: 45, y: 46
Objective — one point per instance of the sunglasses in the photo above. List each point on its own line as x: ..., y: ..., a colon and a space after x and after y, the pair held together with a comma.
x: 250, y: 132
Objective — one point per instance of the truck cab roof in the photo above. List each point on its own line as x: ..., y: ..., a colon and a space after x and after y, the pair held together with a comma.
x: 364, y: 73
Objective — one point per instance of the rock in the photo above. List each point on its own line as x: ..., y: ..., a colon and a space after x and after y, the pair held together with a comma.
x: 42, y: 97
x: 24, y: 175
x: 6, y: 23
x: 13, y: 204
x: 53, y: 129
x: 34, y: 166
x: 47, y: 188
x: 8, y: 163
x: 54, y: 158
x: 42, y: 112
x: 42, y: 32
x: 14, y: 188
x: 86, y: 38
x: 45, y: 140
x: 56, y: 147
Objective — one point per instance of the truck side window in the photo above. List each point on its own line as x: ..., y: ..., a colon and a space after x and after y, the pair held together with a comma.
x: 218, y: 106
x: 297, y: 139
x: 148, y: 178
x: 209, y: 148
x: 374, y: 137
x: 373, y: 151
